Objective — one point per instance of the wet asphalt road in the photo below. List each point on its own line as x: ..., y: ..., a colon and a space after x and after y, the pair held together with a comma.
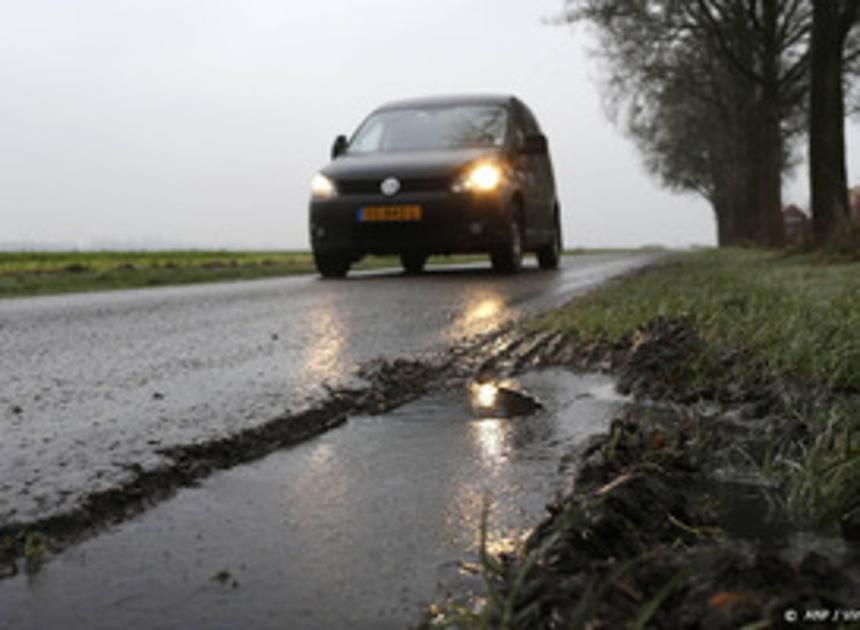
x: 359, y: 528
x: 91, y: 385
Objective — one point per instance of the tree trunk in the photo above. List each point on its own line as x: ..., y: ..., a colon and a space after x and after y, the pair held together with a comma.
x: 756, y: 180
x: 727, y: 234
x: 771, y: 229
x: 748, y: 191
x: 725, y: 212
x: 827, y: 171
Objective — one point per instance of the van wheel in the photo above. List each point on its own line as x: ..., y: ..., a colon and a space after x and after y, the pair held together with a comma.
x: 508, y: 258
x: 412, y: 262
x: 331, y: 265
x: 549, y: 255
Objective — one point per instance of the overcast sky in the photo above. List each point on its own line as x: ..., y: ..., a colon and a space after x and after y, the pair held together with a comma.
x: 201, y: 122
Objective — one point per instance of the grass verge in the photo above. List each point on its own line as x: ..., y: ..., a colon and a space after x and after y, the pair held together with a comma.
x: 44, y: 273
x: 788, y: 316
x: 731, y: 497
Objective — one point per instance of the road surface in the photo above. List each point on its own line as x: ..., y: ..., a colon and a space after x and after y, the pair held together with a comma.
x: 359, y: 528
x: 94, y: 385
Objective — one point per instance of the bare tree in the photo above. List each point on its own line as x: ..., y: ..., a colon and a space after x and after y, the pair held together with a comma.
x: 692, y: 130
x: 714, y: 92
x: 833, y: 21
x: 852, y: 71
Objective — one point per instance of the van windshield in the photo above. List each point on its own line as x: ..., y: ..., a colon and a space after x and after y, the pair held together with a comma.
x: 431, y: 128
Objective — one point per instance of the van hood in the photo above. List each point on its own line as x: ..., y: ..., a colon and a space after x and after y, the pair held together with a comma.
x: 405, y: 164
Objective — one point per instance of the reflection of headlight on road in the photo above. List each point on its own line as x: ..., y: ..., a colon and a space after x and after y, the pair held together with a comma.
x: 484, y: 395
x: 483, y: 310
x: 490, y: 436
x: 484, y: 177
x: 322, y: 187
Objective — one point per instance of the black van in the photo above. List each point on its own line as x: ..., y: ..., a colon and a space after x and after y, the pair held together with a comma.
x: 443, y: 175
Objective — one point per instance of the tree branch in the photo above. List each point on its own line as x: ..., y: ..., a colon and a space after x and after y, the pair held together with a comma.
x: 723, y: 45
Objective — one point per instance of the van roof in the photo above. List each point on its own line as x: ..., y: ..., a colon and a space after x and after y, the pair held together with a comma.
x: 450, y: 100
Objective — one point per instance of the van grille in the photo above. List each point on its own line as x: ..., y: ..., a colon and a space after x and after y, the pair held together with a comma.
x: 371, y: 186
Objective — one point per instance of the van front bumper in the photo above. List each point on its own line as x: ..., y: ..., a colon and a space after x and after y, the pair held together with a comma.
x: 450, y: 223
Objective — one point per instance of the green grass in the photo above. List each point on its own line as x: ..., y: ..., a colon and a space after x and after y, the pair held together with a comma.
x: 43, y: 273
x: 824, y: 476
x: 784, y: 318
x: 795, y: 316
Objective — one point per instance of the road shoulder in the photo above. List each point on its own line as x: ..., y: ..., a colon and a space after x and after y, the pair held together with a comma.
x: 726, y: 494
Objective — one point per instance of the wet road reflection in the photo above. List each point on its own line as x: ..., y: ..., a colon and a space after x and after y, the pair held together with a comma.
x: 324, y: 359
x: 483, y: 311
x: 97, y: 384
x: 489, y: 436
x: 355, y: 529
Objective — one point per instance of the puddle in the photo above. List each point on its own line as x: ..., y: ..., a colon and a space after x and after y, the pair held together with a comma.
x: 501, y: 399
x: 607, y: 392
x: 360, y: 527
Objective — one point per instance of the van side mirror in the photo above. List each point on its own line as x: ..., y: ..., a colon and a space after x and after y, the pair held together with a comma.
x: 536, y: 145
x: 339, y: 147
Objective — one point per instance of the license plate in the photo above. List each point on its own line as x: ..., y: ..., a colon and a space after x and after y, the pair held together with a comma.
x: 390, y: 213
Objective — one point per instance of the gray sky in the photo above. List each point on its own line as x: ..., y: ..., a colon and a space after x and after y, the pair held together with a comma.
x: 201, y: 122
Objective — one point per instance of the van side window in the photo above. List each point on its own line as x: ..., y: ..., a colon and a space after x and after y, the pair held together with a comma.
x: 518, y: 128
x: 531, y: 124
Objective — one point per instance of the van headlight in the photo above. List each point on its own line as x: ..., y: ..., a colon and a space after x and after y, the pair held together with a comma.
x: 482, y: 177
x: 322, y: 187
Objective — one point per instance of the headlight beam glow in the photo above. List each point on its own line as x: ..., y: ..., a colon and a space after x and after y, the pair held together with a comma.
x: 322, y: 187
x: 483, y: 177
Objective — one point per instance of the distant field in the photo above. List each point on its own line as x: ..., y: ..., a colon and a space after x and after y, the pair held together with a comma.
x: 43, y: 273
